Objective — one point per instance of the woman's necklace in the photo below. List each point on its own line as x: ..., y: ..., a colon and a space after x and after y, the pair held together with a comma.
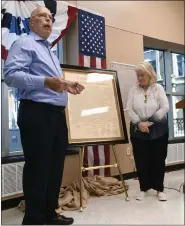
x: 145, y: 94
x: 145, y: 100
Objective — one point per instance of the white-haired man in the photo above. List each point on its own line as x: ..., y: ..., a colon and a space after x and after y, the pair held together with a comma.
x: 34, y: 69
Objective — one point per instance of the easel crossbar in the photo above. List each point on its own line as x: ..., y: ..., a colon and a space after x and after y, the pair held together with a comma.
x: 82, y: 169
x: 98, y: 167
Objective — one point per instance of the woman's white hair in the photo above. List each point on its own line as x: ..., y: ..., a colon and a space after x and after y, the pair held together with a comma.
x: 149, y: 70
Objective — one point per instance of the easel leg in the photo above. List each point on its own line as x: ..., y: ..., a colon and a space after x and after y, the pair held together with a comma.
x: 81, y: 156
x: 120, y: 173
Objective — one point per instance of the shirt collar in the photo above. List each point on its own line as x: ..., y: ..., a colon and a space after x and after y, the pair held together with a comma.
x: 38, y: 38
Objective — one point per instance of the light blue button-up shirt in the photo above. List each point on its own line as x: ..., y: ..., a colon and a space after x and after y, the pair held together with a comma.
x: 29, y: 61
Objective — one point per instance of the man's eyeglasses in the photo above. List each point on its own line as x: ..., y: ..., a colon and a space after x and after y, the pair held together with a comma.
x: 44, y: 16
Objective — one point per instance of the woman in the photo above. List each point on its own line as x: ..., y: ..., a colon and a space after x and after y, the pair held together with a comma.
x: 147, y: 107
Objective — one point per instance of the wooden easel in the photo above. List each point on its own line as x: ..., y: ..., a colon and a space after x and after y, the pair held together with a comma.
x: 83, y: 169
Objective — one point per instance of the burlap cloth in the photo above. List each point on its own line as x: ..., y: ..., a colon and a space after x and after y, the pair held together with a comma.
x: 69, y: 197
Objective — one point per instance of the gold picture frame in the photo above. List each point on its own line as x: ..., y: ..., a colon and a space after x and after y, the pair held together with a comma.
x: 96, y: 115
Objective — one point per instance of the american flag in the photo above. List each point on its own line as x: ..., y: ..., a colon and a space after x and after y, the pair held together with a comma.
x: 92, y: 53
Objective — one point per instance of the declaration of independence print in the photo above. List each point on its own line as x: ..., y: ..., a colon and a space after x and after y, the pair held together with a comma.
x: 94, y: 116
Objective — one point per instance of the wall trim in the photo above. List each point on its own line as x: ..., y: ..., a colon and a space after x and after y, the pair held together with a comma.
x: 71, y: 151
x: 20, y: 158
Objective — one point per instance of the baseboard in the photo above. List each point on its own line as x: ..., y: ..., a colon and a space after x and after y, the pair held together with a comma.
x: 169, y: 168
x: 11, y: 203
x: 175, y: 167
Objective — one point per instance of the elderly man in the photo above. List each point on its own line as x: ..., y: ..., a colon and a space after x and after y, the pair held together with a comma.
x: 34, y: 69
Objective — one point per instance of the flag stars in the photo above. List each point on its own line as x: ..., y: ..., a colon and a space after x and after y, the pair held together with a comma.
x: 92, y: 36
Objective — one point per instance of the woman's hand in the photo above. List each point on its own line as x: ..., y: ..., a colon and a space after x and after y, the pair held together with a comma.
x: 143, y: 126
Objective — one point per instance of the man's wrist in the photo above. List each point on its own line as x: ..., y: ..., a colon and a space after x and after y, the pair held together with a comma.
x: 47, y: 82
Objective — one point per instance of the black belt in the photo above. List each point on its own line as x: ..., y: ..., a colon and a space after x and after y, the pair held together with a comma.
x: 25, y: 102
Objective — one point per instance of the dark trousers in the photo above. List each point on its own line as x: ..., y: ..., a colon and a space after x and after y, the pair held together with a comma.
x: 150, y: 158
x: 44, y: 138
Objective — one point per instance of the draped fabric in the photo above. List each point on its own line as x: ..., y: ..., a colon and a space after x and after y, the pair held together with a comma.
x: 15, y: 20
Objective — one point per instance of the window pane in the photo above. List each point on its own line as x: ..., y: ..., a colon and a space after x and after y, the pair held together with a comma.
x: 4, y: 121
x: 156, y: 58
x: 60, y: 51
x: 12, y: 108
x: 15, y: 146
x: 2, y: 65
x: 178, y: 118
x: 178, y: 65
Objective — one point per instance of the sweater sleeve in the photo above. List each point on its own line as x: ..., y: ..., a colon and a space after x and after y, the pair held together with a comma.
x: 163, y: 104
x: 133, y: 117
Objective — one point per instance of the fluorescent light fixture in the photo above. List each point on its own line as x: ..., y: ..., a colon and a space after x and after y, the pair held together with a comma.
x: 96, y: 77
x: 94, y: 111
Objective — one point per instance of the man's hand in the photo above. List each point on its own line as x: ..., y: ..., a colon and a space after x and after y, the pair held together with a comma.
x: 143, y: 126
x: 57, y: 84
x: 75, y: 88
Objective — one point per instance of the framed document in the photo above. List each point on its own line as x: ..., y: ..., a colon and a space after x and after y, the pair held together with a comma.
x: 96, y: 115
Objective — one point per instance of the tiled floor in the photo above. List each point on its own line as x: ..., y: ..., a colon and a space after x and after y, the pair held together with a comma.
x: 115, y: 210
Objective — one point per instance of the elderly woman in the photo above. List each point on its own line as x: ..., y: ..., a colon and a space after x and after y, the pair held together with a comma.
x: 147, y: 107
